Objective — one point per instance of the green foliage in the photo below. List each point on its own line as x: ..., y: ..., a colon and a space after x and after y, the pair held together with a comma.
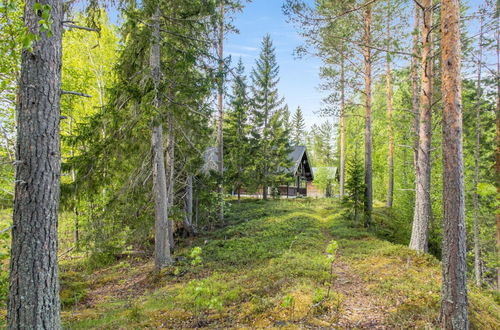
x: 298, y: 127
x: 270, y: 135
x: 195, y: 256
x: 355, y: 188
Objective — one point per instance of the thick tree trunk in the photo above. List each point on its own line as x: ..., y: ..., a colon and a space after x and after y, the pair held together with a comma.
x: 33, y: 280
x: 454, y: 310
x: 390, y: 190
x: 368, y: 116
x: 423, y: 206
x: 220, y: 131
x: 477, y: 245
x: 162, y: 246
x: 342, y: 125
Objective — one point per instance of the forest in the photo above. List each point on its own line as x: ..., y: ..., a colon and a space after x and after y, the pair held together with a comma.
x: 150, y: 178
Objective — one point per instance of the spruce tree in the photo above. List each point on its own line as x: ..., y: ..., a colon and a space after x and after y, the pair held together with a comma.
x: 236, y: 132
x: 266, y: 114
x: 298, y: 126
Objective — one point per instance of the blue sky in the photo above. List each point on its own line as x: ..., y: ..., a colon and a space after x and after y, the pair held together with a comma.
x: 299, y: 78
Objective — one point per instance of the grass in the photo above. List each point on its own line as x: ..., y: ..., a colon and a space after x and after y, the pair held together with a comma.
x: 268, y: 268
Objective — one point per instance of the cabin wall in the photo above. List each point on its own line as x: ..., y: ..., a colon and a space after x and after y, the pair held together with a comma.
x: 313, y: 191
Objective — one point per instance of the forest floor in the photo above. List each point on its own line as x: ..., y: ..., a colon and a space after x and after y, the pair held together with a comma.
x: 268, y: 268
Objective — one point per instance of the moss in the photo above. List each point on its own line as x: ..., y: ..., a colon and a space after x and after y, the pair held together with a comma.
x: 73, y: 288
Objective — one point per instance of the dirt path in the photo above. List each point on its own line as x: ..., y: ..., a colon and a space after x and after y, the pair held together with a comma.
x: 359, y: 309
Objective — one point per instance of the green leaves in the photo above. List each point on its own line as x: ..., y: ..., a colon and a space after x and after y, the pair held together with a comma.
x: 331, y: 248
x: 195, y: 256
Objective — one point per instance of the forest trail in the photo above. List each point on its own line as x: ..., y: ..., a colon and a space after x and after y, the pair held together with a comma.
x: 360, y: 309
x: 267, y: 268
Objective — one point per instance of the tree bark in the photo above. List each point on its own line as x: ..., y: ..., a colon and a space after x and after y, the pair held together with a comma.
x: 342, y: 125
x: 76, y: 233
x: 423, y: 206
x: 189, y: 205
x: 368, y: 115
x: 390, y: 190
x: 454, y: 310
x: 477, y: 246
x: 170, y: 170
x: 33, y: 280
x: 162, y: 245
x: 220, y: 128
x: 497, y: 163
x: 414, y: 85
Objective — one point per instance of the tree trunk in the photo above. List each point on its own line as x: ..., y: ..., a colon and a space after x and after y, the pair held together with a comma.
x: 220, y: 134
x: 76, y: 233
x: 189, y: 205
x: 414, y: 85
x: 368, y: 115
x: 33, y: 281
x: 342, y: 124
x: 477, y: 246
x: 170, y: 172
x: 454, y: 288
x: 162, y: 246
x: 497, y: 163
x: 423, y: 206
x: 390, y: 190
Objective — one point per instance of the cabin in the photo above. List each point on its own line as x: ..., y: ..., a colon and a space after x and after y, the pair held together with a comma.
x: 301, y: 174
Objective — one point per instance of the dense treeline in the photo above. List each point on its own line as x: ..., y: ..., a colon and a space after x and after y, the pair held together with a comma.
x: 138, y: 134
x: 396, y: 114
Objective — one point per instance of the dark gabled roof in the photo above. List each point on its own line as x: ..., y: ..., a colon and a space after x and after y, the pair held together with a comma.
x: 296, y: 156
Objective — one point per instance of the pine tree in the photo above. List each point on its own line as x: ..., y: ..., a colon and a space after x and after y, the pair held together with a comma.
x: 266, y: 104
x: 298, y: 125
x: 236, y: 132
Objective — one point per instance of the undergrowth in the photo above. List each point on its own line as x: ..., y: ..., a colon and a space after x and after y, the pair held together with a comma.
x: 273, y: 265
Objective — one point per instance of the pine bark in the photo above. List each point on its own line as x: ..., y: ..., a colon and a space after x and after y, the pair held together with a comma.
x: 162, y: 246
x: 390, y: 189
x: 414, y: 84
x: 342, y: 125
x: 368, y: 115
x: 220, y: 128
x: 33, y: 280
x: 454, y: 305
x: 477, y: 245
x: 423, y: 206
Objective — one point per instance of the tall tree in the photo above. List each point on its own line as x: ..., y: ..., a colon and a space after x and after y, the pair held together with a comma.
x: 367, y: 54
x: 266, y: 103
x: 454, y: 304
x: 162, y: 242
x: 477, y: 246
x: 423, y: 210
x: 220, y: 108
x: 33, y: 280
x: 388, y: 78
x: 497, y: 154
x: 236, y: 132
x: 298, y: 125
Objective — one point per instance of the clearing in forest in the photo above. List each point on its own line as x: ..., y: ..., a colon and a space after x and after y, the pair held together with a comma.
x: 268, y: 268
